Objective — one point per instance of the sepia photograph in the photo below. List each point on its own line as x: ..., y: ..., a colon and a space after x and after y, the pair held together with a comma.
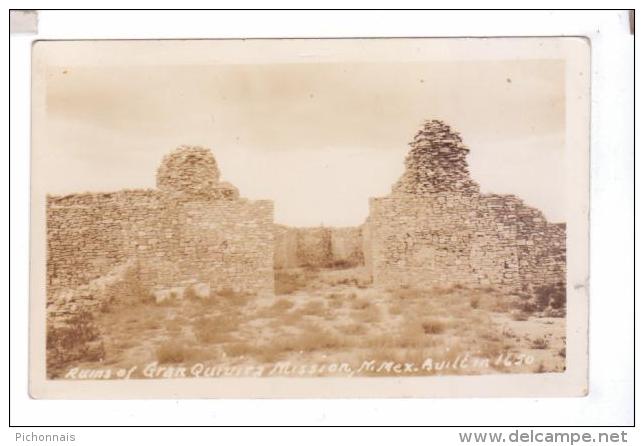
x: 287, y: 217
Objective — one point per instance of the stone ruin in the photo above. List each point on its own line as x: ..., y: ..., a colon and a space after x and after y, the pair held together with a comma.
x: 434, y: 229
x: 436, y: 163
x: 322, y: 247
x: 192, y: 230
x: 193, y: 172
x: 437, y: 229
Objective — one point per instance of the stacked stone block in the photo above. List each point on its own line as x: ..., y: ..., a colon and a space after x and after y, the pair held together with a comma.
x: 192, y: 227
x: 436, y: 229
x: 321, y: 247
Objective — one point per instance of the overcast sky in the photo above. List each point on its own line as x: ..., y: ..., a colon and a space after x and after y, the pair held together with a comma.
x: 318, y: 139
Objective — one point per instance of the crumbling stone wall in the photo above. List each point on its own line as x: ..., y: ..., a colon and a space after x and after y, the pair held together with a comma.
x: 437, y: 229
x: 192, y: 227
x: 346, y: 246
x: 285, y: 249
x: 318, y: 247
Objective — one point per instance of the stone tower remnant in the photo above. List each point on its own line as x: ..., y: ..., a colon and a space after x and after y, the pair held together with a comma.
x: 436, y: 163
x: 437, y: 229
x: 191, y: 228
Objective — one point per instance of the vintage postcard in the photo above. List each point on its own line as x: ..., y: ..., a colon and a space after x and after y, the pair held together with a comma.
x: 310, y: 218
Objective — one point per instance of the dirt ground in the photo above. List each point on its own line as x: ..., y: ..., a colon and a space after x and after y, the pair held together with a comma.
x: 326, y: 323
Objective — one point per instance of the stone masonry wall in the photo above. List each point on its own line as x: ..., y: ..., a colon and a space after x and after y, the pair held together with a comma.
x: 194, y: 231
x: 436, y: 229
x: 317, y: 247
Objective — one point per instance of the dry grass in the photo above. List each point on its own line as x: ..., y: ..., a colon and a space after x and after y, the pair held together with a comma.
x: 520, y: 316
x: 313, y: 308
x: 229, y: 297
x: 408, y: 293
x: 174, y: 326
x: 408, y: 336
x: 290, y: 281
x: 338, y: 300
x: 239, y: 349
x: 311, y: 339
x: 360, y: 304
x: 395, y: 309
x: 173, y: 352
x: 215, y: 329
x: 354, y: 329
x: 282, y: 305
x: 79, y: 340
x: 335, y: 319
x: 368, y: 315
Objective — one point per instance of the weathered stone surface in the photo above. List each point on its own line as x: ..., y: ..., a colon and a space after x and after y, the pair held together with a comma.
x: 191, y: 228
x: 436, y: 229
x: 189, y: 170
x: 318, y: 247
x: 436, y: 163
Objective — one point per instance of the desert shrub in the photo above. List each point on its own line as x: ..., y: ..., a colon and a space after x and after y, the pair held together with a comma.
x: 395, y: 309
x: 78, y: 340
x: 360, y: 304
x: 190, y: 294
x: 228, y: 293
x: 406, y: 293
x: 433, y: 326
x: 562, y: 352
x: 369, y: 314
x: 558, y: 296
x: 313, y: 308
x: 319, y: 340
x: 288, y: 282
x: 171, y: 301
x: 106, y: 305
x: 347, y: 281
x: 353, y: 329
x: 151, y: 324
x: 288, y: 318
x: 527, y: 307
x: 173, y: 352
x: 174, y: 325
x: 475, y: 302
x: 228, y: 296
x: 542, y: 298
x: 342, y: 264
x: 540, y: 343
x: 553, y: 296
x: 411, y: 335
x: 520, y: 316
x: 282, y: 305
x: 312, y: 339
